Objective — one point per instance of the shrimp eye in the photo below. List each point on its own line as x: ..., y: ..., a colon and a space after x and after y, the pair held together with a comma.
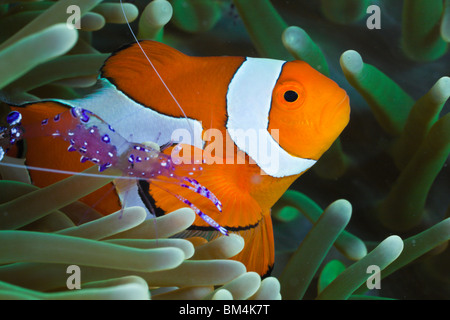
x: 290, y: 96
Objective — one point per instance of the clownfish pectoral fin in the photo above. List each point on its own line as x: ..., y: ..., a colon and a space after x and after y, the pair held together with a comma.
x: 241, y: 213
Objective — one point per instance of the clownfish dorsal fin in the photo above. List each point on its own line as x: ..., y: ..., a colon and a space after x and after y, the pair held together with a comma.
x: 133, y: 58
x: 136, y: 70
x: 150, y: 63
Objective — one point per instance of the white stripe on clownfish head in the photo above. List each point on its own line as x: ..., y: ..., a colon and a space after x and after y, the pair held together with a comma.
x: 249, y: 99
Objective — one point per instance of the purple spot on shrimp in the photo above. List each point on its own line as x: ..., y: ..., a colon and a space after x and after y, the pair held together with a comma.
x: 85, y: 115
x: 111, y: 128
x: 71, y: 149
x: 103, y: 167
x: 223, y: 230
x: 83, y: 159
x: 14, y: 117
x: 131, y: 158
x: 44, y: 122
x: 198, y: 188
x: 204, y: 216
x: 57, y: 117
x: 73, y: 112
x: 106, y: 138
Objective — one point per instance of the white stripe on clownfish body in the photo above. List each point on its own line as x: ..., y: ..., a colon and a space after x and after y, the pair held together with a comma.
x: 134, y: 121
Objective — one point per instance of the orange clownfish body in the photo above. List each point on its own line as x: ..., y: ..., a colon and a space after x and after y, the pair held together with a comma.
x: 278, y: 118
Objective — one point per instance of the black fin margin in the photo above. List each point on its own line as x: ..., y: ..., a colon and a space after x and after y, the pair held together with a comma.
x: 147, y: 199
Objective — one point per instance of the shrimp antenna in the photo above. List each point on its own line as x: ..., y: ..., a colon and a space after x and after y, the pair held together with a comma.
x: 153, y: 66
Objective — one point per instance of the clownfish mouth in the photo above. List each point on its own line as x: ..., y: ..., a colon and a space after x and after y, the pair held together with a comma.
x: 336, y: 115
x: 344, y: 105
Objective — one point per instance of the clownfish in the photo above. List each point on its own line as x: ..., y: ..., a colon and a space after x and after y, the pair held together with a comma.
x: 251, y: 103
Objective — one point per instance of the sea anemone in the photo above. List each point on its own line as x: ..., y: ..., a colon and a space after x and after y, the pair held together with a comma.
x: 390, y: 164
x: 122, y: 255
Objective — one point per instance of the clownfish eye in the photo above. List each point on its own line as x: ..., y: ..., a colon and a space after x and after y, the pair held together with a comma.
x: 290, y: 96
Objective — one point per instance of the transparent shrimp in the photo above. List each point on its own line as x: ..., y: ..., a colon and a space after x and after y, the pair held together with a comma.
x: 99, y: 143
